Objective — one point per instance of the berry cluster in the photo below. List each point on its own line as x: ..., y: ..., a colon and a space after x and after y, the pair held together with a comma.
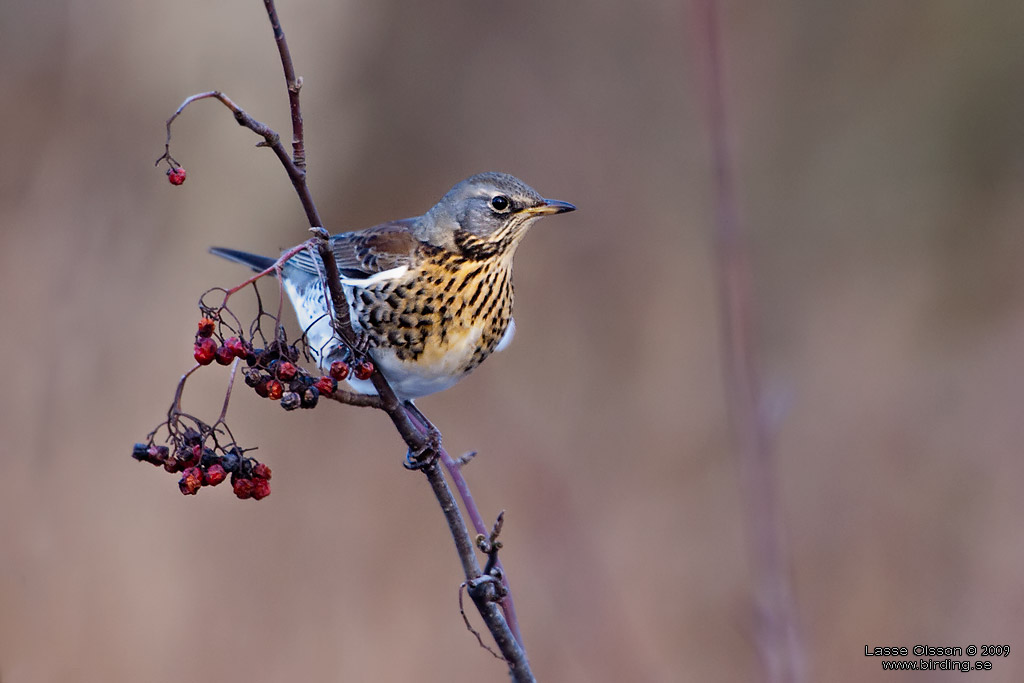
x: 201, y: 465
x: 273, y: 374
x: 207, y: 350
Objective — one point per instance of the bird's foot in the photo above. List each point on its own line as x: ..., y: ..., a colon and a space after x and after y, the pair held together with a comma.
x: 426, y: 454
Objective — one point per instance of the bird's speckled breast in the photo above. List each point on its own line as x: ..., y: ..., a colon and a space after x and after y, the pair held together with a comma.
x: 437, y: 322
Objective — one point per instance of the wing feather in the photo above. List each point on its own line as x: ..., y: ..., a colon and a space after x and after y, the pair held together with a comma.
x: 367, y: 252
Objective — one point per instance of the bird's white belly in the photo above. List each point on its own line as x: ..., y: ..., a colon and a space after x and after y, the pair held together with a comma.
x: 431, y: 373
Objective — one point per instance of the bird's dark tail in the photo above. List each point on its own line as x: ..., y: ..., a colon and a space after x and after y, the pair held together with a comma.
x: 254, y: 261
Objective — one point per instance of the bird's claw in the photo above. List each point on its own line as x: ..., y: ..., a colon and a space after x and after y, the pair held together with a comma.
x: 426, y: 454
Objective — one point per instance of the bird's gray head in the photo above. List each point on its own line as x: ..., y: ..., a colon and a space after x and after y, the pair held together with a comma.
x: 487, y: 213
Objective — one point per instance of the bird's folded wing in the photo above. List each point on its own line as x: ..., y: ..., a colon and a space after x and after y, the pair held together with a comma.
x: 367, y: 252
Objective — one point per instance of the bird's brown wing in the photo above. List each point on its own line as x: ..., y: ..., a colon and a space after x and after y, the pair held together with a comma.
x: 366, y: 252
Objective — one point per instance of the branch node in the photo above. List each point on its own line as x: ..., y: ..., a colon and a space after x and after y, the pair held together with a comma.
x: 490, y: 545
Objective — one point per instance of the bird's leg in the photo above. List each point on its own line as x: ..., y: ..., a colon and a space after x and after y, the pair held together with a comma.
x: 423, y: 456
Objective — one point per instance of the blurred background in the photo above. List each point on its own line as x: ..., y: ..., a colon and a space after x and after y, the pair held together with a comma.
x: 880, y: 157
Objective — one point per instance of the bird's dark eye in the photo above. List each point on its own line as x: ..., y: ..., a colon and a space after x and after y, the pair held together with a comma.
x: 500, y: 203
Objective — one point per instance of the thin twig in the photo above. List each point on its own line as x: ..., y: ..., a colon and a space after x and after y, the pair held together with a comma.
x: 294, y: 85
x: 469, y: 626
x: 227, y: 394
x: 270, y: 139
x: 777, y: 633
x: 176, y: 403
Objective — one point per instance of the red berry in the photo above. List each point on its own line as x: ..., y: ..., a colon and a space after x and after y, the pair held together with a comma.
x: 260, y: 489
x: 339, y: 370
x: 262, y: 388
x: 191, y: 480
x: 205, y: 351
x: 237, y: 347
x: 224, y: 355
x: 214, y: 475
x: 260, y: 471
x: 176, y: 175
x: 363, y: 370
x: 275, y: 389
x: 206, y: 327
x: 286, y: 371
x: 326, y: 386
x: 242, y: 487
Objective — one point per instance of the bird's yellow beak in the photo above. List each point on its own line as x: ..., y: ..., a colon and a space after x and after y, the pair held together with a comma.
x: 548, y: 207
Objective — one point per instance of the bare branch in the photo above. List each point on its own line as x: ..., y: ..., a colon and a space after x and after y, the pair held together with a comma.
x: 294, y: 85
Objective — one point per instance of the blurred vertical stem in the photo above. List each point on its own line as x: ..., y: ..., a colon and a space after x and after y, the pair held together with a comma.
x: 777, y: 634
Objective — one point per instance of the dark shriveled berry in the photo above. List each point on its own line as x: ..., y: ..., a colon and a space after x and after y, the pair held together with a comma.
x: 206, y: 327
x: 291, y: 400
x: 229, y: 461
x: 140, y: 452
x: 155, y: 455
x: 209, y: 458
x: 190, y: 456
x: 310, y: 397
x: 244, y: 469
